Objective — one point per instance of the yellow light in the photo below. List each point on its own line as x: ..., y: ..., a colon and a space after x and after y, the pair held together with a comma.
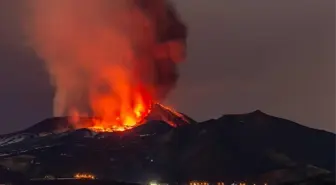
x: 153, y: 183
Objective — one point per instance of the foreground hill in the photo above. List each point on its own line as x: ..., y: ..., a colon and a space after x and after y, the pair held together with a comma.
x: 252, y: 144
x: 250, y: 147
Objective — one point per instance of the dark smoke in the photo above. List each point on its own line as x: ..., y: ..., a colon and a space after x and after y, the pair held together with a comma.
x: 170, y: 29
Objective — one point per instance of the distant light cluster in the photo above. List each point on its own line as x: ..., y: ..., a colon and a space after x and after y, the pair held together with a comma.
x: 200, y: 183
x: 222, y: 183
x: 84, y: 176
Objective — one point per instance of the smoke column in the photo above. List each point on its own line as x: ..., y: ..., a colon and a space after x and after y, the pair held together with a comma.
x: 103, y: 54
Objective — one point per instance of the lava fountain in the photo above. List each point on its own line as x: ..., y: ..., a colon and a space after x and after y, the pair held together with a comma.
x: 107, y: 59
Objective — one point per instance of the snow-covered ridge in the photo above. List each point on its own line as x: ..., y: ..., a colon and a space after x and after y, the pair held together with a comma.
x: 19, y: 137
x: 15, y: 138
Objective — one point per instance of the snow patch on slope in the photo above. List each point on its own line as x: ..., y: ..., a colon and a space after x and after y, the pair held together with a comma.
x: 15, y: 138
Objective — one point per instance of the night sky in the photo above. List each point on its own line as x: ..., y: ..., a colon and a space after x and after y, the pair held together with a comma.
x: 276, y: 56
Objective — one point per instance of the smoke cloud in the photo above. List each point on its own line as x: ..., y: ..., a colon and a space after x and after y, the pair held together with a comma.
x: 102, y: 54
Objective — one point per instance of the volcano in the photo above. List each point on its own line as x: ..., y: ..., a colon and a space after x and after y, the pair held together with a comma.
x: 171, y: 147
x: 64, y: 124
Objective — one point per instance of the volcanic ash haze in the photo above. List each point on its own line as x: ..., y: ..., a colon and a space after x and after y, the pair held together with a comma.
x: 108, y: 58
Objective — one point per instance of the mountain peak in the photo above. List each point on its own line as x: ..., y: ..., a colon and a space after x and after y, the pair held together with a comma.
x: 160, y: 112
x: 254, y: 114
x: 257, y: 113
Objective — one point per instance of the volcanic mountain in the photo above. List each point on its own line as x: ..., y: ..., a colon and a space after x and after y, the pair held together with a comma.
x: 172, y: 147
x: 63, y: 124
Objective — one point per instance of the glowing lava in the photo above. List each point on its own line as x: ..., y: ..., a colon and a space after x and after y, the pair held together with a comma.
x: 139, y: 114
x: 121, y: 120
x: 177, y: 114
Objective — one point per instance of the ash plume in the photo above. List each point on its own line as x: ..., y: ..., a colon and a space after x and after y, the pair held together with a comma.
x: 99, y: 52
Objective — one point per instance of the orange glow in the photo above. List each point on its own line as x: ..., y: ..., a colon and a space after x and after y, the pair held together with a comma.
x: 113, y: 115
x: 128, y: 119
x: 84, y: 176
x: 198, y: 183
x: 108, y: 59
x: 174, y: 112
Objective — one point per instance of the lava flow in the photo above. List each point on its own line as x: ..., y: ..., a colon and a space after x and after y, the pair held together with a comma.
x: 155, y: 111
x: 128, y: 120
x: 111, y: 118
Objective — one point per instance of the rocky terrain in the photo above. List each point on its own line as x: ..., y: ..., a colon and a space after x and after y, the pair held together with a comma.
x: 244, y: 147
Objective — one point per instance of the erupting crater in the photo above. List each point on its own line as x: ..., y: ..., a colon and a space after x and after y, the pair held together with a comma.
x: 142, y: 115
x: 110, y: 60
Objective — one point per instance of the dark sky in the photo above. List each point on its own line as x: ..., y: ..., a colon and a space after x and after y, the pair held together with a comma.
x: 277, y: 56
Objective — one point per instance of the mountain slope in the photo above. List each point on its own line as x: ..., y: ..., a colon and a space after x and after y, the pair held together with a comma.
x: 252, y: 143
x: 232, y: 147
